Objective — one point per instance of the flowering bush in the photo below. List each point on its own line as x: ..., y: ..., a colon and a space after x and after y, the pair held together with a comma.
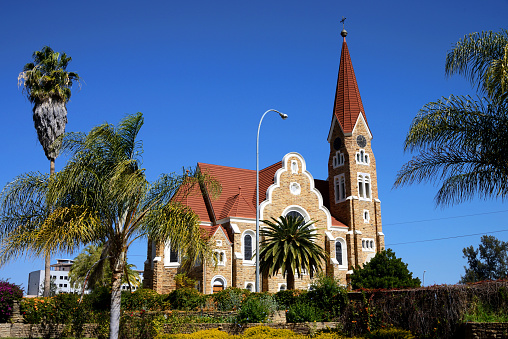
x: 35, y: 310
x: 9, y: 293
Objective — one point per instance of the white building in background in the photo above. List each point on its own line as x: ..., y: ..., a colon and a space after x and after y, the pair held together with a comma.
x: 59, y: 274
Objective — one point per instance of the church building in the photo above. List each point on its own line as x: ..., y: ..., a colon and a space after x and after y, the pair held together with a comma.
x: 345, y: 205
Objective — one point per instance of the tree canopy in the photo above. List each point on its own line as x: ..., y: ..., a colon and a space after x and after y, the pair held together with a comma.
x: 488, y: 262
x: 384, y: 270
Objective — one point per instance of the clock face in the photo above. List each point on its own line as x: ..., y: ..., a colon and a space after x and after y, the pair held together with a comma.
x: 337, y: 143
x: 361, y: 141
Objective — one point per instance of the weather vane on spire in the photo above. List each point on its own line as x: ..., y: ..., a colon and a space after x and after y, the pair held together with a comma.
x: 344, y: 32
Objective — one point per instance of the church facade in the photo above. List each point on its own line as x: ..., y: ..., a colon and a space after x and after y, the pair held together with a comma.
x: 345, y: 205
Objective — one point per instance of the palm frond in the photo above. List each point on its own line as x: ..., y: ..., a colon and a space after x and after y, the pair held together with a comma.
x: 472, y: 56
x: 461, y: 143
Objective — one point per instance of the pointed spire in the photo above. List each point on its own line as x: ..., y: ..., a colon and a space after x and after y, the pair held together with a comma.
x: 348, y: 103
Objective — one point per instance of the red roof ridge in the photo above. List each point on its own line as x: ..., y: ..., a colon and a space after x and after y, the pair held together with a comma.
x: 229, y: 167
x: 348, y: 102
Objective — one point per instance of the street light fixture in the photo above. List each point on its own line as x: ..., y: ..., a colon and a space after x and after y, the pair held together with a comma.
x: 284, y: 117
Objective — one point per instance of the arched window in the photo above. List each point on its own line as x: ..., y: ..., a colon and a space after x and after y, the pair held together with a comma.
x: 247, y: 247
x: 249, y: 287
x: 338, y: 252
x: 218, y: 285
x: 296, y: 215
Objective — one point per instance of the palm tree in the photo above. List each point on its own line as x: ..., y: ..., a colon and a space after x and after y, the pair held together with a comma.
x: 483, y: 59
x: 23, y: 209
x: 47, y: 85
x: 103, y: 197
x: 89, y: 270
x: 289, y: 245
x: 462, y: 142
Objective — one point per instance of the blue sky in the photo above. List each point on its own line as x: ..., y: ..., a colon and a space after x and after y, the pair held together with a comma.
x: 203, y: 73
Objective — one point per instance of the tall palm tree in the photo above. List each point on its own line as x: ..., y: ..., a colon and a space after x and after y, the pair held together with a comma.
x: 289, y: 245
x: 47, y: 85
x: 102, y: 196
x: 462, y: 142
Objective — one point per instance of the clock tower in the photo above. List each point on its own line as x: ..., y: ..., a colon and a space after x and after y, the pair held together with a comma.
x: 352, y: 178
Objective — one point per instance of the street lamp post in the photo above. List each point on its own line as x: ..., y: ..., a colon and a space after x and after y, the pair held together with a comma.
x: 423, y: 282
x: 284, y: 117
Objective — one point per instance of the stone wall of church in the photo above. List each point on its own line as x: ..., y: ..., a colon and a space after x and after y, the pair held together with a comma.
x: 362, y: 216
x: 213, y: 269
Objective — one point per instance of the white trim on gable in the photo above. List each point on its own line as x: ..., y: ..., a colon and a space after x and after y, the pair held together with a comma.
x: 276, y: 184
x: 224, y: 234
x: 360, y: 116
x: 236, y: 219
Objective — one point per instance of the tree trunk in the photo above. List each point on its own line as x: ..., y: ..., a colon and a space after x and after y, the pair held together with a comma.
x: 116, y: 296
x: 47, y: 276
x: 290, y: 280
x: 47, y: 257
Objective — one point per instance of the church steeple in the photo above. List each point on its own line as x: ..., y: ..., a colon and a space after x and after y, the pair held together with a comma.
x: 348, y: 103
x: 352, y: 177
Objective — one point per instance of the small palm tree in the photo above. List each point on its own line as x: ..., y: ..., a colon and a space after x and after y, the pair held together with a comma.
x: 47, y: 85
x: 89, y: 270
x: 289, y: 245
x: 463, y: 142
x: 102, y: 196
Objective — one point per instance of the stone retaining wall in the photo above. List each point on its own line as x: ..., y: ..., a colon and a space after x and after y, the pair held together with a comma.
x: 90, y: 330
x: 485, y: 330
x: 40, y: 331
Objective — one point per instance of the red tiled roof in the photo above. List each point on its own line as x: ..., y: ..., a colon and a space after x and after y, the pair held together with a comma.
x: 266, y: 179
x: 194, y: 199
x: 348, y: 103
x: 238, y: 197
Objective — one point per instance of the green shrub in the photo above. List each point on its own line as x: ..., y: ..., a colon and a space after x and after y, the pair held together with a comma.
x: 99, y: 299
x: 230, y: 299
x: 185, y: 299
x: 9, y: 293
x: 389, y: 333
x: 143, y: 299
x: 64, y: 308
x: 257, y: 308
x: 286, y: 298
x: 303, y: 311
x: 483, y: 312
x: 326, y: 294
x: 142, y: 325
